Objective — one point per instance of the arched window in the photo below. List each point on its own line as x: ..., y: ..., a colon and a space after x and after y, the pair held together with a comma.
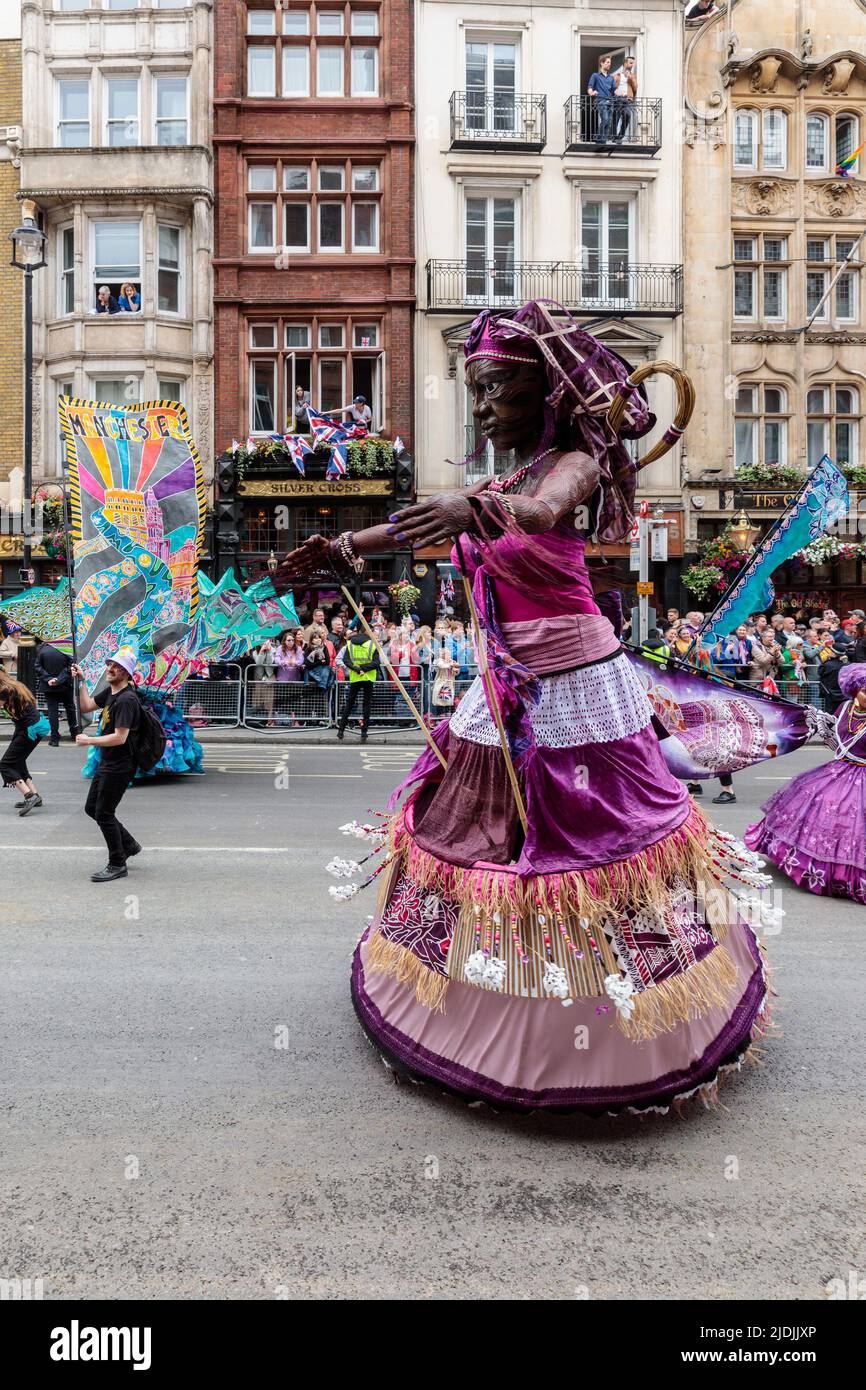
x: 760, y: 424
x: 775, y: 139
x: 817, y: 142
x: 746, y: 139
x: 847, y: 139
x: 833, y: 423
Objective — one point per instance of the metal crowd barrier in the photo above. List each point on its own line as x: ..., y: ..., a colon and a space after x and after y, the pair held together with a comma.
x: 213, y: 702
x: 285, y: 705
x: 388, y: 705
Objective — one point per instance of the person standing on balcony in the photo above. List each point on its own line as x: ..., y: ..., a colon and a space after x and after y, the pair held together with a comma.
x: 625, y: 96
x: 602, y: 88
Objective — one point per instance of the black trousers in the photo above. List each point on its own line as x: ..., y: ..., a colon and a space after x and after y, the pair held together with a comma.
x: 53, y: 700
x: 103, y: 799
x: 365, y: 689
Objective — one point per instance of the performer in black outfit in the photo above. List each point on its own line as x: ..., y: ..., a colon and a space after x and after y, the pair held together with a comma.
x: 121, y: 713
x: 54, y: 669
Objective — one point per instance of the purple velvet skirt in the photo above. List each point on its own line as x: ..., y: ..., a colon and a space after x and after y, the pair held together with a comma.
x: 576, y: 966
x: 814, y: 830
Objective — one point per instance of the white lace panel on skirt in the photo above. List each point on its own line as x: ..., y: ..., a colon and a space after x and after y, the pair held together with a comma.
x: 596, y: 704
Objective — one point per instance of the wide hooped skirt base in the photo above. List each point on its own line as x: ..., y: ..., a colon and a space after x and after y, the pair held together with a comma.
x: 525, y: 1054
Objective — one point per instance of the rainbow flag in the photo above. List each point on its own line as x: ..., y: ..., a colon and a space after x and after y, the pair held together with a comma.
x: 844, y: 167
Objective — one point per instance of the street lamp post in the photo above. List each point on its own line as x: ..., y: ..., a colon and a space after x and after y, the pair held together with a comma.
x: 28, y: 255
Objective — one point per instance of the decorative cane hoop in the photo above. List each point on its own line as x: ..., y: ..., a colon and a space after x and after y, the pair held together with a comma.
x: 685, y: 406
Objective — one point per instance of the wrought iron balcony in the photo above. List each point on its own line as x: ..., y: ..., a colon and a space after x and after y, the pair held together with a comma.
x: 612, y: 286
x: 617, y: 127
x: 489, y: 120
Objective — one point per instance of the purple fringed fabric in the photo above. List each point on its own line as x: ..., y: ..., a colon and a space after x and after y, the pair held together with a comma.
x: 426, y: 765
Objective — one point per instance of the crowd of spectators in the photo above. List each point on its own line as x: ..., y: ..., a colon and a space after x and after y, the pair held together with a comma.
x: 783, y: 654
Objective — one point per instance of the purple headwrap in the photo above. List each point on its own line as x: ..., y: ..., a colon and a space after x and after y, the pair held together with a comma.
x: 852, y: 678
x: 583, y: 379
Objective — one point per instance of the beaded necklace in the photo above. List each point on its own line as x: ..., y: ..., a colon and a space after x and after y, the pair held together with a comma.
x: 508, y: 484
x: 853, y: 713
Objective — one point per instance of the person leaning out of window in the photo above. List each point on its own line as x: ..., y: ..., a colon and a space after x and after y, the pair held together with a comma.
x: 106, y: 302
x: 130, y: 299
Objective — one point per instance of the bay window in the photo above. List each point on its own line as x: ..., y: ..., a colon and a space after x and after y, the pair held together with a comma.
x: 333, y: 359
x: 310, y: 208
x: 168, y: 281
x: 73, y: 112
x: 170, y: 109
x: 121, y: 111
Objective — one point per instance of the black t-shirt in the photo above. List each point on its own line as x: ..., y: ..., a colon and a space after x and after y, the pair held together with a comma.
x: 120, y: 711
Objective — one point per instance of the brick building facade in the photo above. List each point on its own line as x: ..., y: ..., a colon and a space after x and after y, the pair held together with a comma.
x: 11, y: 331
x: 314, y: 246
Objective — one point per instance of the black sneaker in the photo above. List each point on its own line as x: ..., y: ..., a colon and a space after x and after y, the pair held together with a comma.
x: 110, y: 872
x: 30, y: 803
x: 136, y: 849
x: 724, y: 798
x: 54, y: 743
x: 694, y: 788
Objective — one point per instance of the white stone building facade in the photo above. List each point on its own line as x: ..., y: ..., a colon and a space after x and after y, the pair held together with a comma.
x: 527, y: 189
x: 116, y: 154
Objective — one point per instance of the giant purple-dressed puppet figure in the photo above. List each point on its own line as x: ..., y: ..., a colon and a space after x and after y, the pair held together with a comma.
x: 596, y: 959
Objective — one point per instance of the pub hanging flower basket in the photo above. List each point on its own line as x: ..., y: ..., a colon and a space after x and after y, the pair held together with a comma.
x: 405, y: 595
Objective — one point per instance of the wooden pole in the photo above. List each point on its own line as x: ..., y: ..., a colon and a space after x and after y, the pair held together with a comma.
x: 396, y: 679
x: 494, y: 703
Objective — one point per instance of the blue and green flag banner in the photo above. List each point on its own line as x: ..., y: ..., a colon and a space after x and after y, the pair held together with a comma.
x: 821, y: 502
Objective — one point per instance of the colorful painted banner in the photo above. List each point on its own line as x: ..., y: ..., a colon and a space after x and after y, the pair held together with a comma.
x: 137, y: 505
x: 821, y: 502
x: 713, y: 725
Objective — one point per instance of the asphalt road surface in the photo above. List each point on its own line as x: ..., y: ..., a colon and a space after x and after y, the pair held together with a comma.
x: 190, y: 1109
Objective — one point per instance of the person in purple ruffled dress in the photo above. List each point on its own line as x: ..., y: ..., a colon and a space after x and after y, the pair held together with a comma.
x: 814, y: 829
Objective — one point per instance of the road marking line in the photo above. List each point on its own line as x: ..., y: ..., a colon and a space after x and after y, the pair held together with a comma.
x: 166, y: 849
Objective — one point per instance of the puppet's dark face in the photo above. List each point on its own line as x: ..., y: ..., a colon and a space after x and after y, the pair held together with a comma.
x: 507, y: 402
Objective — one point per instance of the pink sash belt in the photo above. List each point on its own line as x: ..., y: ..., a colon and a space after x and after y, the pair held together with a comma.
x: 560, y: 644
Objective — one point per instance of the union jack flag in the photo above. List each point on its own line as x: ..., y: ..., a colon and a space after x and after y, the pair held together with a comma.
x: 325, y: 429
x: 338, y: 461
x: 299, y: 449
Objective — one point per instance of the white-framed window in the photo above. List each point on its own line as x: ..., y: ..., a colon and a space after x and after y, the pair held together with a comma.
x: 745, y: 139
x: 607, y: 239
x: 329, y: 69
x: 365, y: 226
x: 332, y: 383
x: 296, y: 225
x: 171, y: 121
x: 296, y: 22
x: 169, y: 278
x: 261, y: 21
x: 261, y: 70
x: 365, y: 71
x: 296, y: 68
x: 760, y: 424
x: 847, y: 291
x: 833, y: 423
x: 66, y: 259
x: 312, y: 208
x: 331, y: 335
x: 263, y: 395
x: 365, y: 178
x: 171, y: 388
x: 491, y: 231
x: 263, y: 335
x: 262, y: 178
x: 491, y: 66
x: 329, y: 22
x: 121, y: 110
x: 297, y: 335
x: 761, y: 276
x: 847, y: 131
x: 365, y: 22
x: 366, y: 335
x: 775, y: 139
x: 817, y: 142
x: 331, y: 233
x: 73, y: 112
x: 116, y: 255
x: 262, y: 227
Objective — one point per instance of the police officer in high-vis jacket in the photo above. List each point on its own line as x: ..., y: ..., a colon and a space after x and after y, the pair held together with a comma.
x: 362, y: 662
